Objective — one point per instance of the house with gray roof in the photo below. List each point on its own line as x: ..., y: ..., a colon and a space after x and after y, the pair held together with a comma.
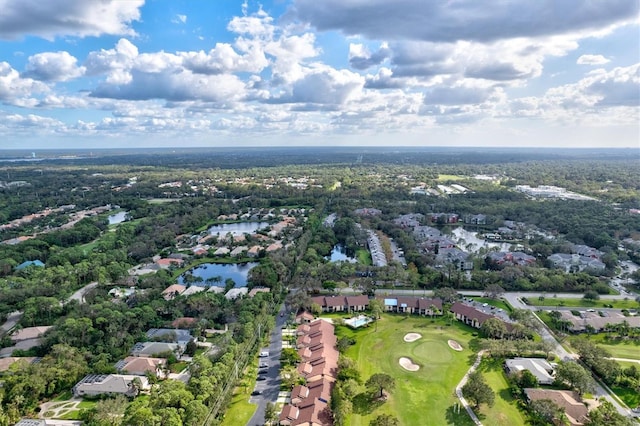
x: 234, y: 293
x: 455, y: 256
x: 539, y: 367
x: 170, y: 335
x: 150, y: 349
x: 516, y: 258
x: 575, y: 262
x: 109, y: 384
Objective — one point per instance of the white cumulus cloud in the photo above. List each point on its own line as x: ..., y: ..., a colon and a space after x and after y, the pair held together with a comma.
x: 50, y: 19
x: 592, y: 60
x: 53, y: 66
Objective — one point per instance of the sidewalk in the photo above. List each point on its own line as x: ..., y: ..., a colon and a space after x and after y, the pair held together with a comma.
x: 463, y: 401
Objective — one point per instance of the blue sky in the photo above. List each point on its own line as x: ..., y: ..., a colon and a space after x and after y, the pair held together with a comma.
x: 137, y: 73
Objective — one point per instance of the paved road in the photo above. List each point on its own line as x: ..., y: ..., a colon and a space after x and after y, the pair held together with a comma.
x: 12, y: 319
x: 514, y: 300
x: 79, y: 295
x: 626, y: 360
x: 479, y: 293
x: 565, y: 355
x: 271, y: 386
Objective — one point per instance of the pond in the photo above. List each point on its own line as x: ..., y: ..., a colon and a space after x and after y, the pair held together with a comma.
x: 236, y: 229
x: 117, y: 217
x: 472, y: 243
x: 339, y: 254
x: 238, y: 272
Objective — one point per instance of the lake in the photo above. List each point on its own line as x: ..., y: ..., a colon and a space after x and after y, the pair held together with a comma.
x: 238, y: 272
x: 117, y: 217
x: 472, y: 243
x: 339, y: 254
x: 236, y: 229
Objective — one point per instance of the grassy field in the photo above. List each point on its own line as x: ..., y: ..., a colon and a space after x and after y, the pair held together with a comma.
x: 617, y: 348
x: 629, y: 396
x: 75, y: 414
x: 364, y: 257
x: 240, y: 409
x: 425, y: 397
x: 504, y: 411
x: 444, y: 178
x: 580, y: 303
x: 493, y: 302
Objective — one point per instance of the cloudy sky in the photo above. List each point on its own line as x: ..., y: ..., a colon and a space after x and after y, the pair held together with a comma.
x: 119, y: 73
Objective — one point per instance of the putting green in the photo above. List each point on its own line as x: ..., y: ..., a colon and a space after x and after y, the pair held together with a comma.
x: 423, y: 397
x: 435, y: 352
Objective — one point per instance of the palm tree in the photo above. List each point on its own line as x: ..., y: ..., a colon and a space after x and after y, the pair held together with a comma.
x: 376, y: 308
x: 450, y: 317
x: 433, y: 310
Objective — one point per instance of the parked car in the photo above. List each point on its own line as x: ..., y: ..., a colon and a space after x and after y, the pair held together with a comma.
x: 256, y: 392
x: 261, y: 378
x: 263, y: 365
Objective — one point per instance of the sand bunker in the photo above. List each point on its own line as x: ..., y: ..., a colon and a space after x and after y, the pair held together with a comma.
x: 454, y: 345
x: 408, y: 365
x: 412, y: 337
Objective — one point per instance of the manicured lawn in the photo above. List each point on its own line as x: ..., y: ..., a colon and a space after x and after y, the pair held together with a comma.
x: 493, y: 302
x: 64, y: 396
x: 364, y: 257
x: 178, y: 367
x: 627, y: 364
x: 444, y: 178
x: 425, y: 397
x: 629, y: 396
x: 581, y: 303
x: 240, y: 410
x: 74, y: 414
x: 504, y: 411
x: 88, y: 247
x: 617, y: 348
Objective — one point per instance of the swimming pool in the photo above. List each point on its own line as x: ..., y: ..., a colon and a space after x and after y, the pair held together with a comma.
x: 358, y: 321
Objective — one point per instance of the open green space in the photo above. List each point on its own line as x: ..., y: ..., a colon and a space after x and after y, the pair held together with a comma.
x: 630, y: 396
x: 64, y: 396
x: 444, y: 178
x: 364, y: 257
x: 71, y: 410
x: 240, y: 410
x: 627, y: 364
x: 425, y: 397
x: 88, y: 248
x: 581, y: 303
x: 504, y: 411
x: 178, y: 366
x: 498, y: 303
x: 618, y: 348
